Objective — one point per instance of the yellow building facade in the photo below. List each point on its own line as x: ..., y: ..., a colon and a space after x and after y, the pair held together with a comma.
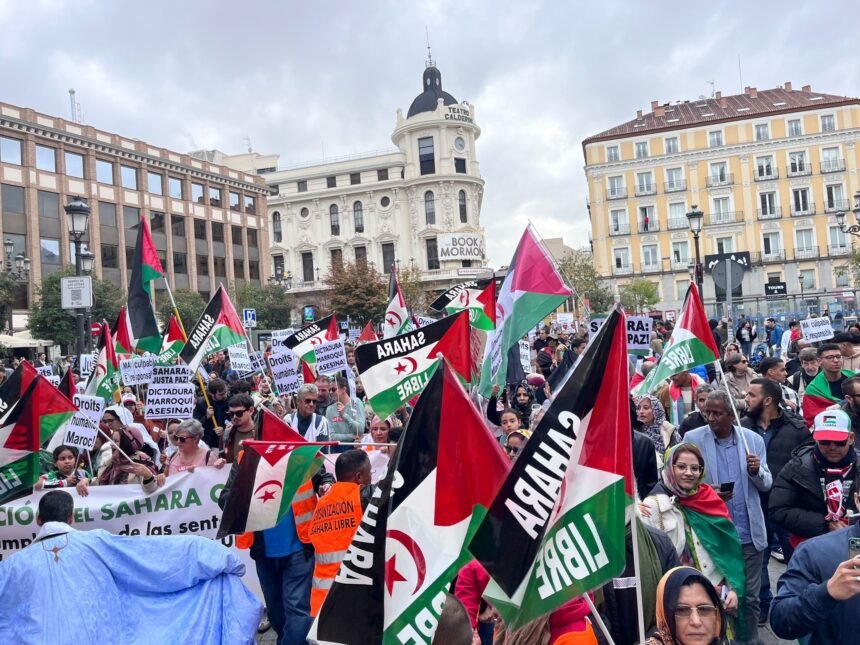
x: 770, y: 169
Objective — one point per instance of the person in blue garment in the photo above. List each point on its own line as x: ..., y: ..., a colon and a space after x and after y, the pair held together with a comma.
x: 91, y: 587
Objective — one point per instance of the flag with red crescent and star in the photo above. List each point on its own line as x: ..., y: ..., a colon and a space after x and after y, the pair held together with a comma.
x: 397, y: 319
x: 476, y: 296
x: 426, y: 510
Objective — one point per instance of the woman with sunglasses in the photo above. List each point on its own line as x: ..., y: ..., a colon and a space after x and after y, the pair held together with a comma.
x: 514, y: 444
x: 738, y: 379
x: 191, y: 453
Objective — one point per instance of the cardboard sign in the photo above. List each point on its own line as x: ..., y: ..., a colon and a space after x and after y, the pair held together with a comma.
x: 278, y: 338
x: 525, y: 356
x: 423, y: 321
x: 331, y: 357
x: 286, y: 371
x: 54, y: 379
x: 170, y: 374
x: 87, y: 362
x: 169, y: 401
x: 638, y: 333
x: 565, y: 321
x: 239, y: 359
x: 91, y: 407
x: 81, y: 432
x: 47, y: 371
x: 816, y: 329
x: 138, y: 370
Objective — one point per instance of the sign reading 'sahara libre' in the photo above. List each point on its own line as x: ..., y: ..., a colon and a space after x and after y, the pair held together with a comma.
x: 460, y: 246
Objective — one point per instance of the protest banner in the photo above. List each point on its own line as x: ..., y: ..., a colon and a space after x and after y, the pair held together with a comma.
x: 286, y: 371
x: 564, y: 321
x: 638, y: 333
x: 278, y: 338
x: 90, y: 406
x: 816, y: 329
x: 137, y: 370
x: 54, y: 379
x: 240, y: 360
x: 87, y: 362
x: 81, y: 432
x: 170, y: 374
x: 331, y: 357
x: 187, y: 504
x: 47, y: 371
x: 169, y: 401
x: 423, y: 321
x: 525, y: 356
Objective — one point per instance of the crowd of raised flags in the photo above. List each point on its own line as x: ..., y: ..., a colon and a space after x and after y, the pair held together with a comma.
x: 450, y: 495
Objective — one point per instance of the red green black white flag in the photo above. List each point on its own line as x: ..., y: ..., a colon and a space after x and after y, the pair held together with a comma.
x: 397, y: 319
x: 304, y: 341
x: 145, y: 268
x: 218, y: 328
x: 476, y: 296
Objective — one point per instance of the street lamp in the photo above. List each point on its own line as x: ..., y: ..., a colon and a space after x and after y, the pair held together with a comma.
x: 695, y: 217
x: 853, y: 229
x: 281, y: 279
x: 17, y: 268
x: 88, y: 259
x: 77, y: 218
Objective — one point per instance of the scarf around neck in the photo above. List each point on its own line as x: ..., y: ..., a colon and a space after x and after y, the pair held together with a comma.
x: 655, y: 429
x: 836, y: 481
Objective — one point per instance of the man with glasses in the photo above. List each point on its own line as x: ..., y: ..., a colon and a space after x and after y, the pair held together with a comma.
x: 850, y: 404
x: 311, y: 425
x: 825, y: 390
x: 240, y: 413
x: 814, y: 492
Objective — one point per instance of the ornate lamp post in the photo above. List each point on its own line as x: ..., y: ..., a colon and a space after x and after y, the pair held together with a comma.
x: 77, y: 218
x: 17, y: 268
x: 695, y: 218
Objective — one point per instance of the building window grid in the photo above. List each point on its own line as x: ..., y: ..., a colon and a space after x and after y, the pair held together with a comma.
x: 432, y: 254
x: 334, y: 219
x: 358, y: 217
x: 74, y: 164
x: 11, y: 151
x: 426, y: 156
x: 461, y: 199
x: 828, y: 123
x: 429, y: 208
x: 672, y: 146
x: 302, y: 186
x: 762, y: 132
x: 46, y: 158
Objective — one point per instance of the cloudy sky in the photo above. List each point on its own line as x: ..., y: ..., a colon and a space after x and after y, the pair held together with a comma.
x: 303, y: 79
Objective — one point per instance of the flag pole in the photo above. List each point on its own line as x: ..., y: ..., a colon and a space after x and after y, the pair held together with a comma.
x: 719, y: 369
x: 600, y: 622
x: 111, y: 441
x: 637, y: 571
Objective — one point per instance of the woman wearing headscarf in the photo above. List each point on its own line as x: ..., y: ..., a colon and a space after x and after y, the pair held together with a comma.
x: 129, y: 439
x: 652, y: 416
x: 698, y: 523
x: 689, y: 611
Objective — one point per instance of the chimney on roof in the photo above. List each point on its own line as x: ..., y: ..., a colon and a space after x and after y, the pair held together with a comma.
x: 654, y: 105
x: 806, y: 88
x: 718, y: 95
x: 787, y: 86
x: 752, y: 92
x: 724, y: 102
x: 660, y: 111
x: 638, y: 114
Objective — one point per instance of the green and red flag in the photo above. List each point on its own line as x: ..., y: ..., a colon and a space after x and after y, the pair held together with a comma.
x: 68, y: 384
x: 532, y: 289
x: 145, y: 268
x: 439, y: 498
x: 567, y: 492
x: 172, y: 342
x: 104, y: 379
x: 304, y: 341
x: 395, y: 370
x: 218, y: 328
x: 122, y: 334
x: 397, y: 319
x: 817, y: 396
x: 476, y: 296
x: 690, y: 345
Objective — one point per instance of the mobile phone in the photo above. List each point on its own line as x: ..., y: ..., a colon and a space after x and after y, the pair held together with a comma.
x: 853, y: 547
x: 728, y: 487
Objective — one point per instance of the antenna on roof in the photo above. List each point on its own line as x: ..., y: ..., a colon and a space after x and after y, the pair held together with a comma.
x: 740, y: 74
x: 247, y: 141
x: 75, y: 106
x: 712, y: 84
x: 430, y: 62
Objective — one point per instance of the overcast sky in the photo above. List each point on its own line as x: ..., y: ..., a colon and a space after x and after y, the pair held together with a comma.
x: 300, y: 78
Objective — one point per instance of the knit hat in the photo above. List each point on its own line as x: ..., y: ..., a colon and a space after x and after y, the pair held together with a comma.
x: 831, y: 425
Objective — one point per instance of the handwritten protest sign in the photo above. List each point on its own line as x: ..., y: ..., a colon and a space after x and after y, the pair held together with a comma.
x: 90, y: 406
x: 138, y: 370
x: 169, y: 401
x: 239, y: 359
x: 816, y: 329
x: 286, y: 371
x: 331, y: 357
x: 81, y: 432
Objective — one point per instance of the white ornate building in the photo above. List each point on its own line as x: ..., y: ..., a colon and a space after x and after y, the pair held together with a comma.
x: 397, y: 207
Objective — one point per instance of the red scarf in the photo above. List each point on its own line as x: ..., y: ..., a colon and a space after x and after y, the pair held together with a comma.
x: 705, y: 501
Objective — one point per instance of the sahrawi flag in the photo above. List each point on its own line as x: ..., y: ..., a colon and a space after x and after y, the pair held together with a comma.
x: 304, y: 341
x: 438, y: 497
x: 478, y: 297
x: 172, y: 342
x: 122, y: 335
x: 145, y: 268
x: 690, y: 344
x: 268, y: 476
x: 219, y: 327
x: 397, y: 320
x: 104, y: 379
x: 532, y: 289
x: 561, y: 509
x: 395, y: 370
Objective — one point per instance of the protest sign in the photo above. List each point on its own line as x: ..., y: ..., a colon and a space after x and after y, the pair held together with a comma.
x: 81, y: 432
x: 565, y: 321
x: 638, y: 333
x: 47, y: 371
x: 278, y: 338
x: 286, y: 371
x: 423, y: 321
x: 525, y: 356
x: 240, y: 360
x: 816, y: 329
x: 187, y: 504
x: 54, y: 379
x: 138, y: 370
x: 90, y: 406
x: 168, y: 374
x: 331, y: 357
x: 87, y: 362
x: 169, y: 401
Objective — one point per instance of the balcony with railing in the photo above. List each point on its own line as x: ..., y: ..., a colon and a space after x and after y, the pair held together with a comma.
x: 616, y: 193
x: 726, y: 217
x: 805, y: 252
x: 625, y: 269
x: 654, y: 267
x: 832, y: 165
x: 678, y: 222
x: 771, y: 213
x: 809, y: 209
x: 836, y: 205
x: 619, y: 229
x: 721, y: 179
x: 681, y: 264
x: 773, y: 256
x: 766, y: 174
x: 650, y: 227
x: 677, y: 186
x: 799, y: 169
x: 840, y: 249
x: 646, y: 189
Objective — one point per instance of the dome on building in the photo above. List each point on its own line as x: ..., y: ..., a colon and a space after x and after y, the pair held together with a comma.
x: 427, y: 100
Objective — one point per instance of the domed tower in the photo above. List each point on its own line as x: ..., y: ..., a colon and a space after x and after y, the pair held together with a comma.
x: 442, y: 179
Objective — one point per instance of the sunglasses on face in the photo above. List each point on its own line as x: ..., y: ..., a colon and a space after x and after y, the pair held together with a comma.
x: 703, y: 611
x: 129, y: 404
x: 512, y: 450
x: 309, y: 400
x: 184, y: 439
x: 235, y: 413
x: 838, y: 444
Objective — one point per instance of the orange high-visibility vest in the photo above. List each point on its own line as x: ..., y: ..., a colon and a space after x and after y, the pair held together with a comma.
x: 335, y: 521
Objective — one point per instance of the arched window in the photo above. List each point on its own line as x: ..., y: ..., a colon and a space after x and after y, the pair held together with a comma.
x: 429, y: 208
x: 277, y: 231
x: 463, y: 214
x: 358, y: 217
x: 334, y: 215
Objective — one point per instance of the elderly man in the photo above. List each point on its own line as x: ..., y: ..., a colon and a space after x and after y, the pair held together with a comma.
x: 736, y: 466
x: 808, y: 368
x: 311, y: 425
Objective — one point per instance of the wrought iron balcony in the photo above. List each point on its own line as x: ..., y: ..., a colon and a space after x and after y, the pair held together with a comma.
x: 832, y: 165
x: 626, y: 269
x: 646, y: 189
x: 806, y: 253
x: 653, y: 225
x: 842, y: 249
x: 773, y: 213
x: 725, y: 217
x: 799, y: 169
x: 617, y: 193
x: 678, y: 222
x: 766, y: 174
x: 773, y: 256
x: 619, y: 229
x: 836, y: 205
x: 677, y: 186
x: 723, y: 179
x: 800, y: 212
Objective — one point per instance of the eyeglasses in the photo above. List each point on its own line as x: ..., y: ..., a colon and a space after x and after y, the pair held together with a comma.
x: 235, y: 413
x: 832, y: 357
x: 828, y: 444
x: 512, y: 450
x: 702, y: 611
x: 694, y: 469
x: 309, y: 400
x: 184, y: 439
x: 130, y: 404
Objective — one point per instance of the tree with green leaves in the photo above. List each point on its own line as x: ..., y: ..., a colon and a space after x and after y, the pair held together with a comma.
x: 358, y: 291
x: 8, y: 290
x: 189, y: 303
x: 639, y: 295
x: 577, y: 268
x: 272, y: 303
x: 416, y: 297
x: 48, y: 320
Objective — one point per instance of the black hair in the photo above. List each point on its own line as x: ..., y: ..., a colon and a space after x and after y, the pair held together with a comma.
x: 511, y: 411
x: 216, y: 385
x: 770, y: 388
x: 59, y: 450
x: 848, y: 385
x: 342, y: 382
x: 578, y: 342
x: 827, y: 347
x: 349, y: 463
x: 242, y: 386
x: 394, y: 435
x: 847, y: 337
x: 56, y: 506
x: 241, y: 400
x: 767, y: 363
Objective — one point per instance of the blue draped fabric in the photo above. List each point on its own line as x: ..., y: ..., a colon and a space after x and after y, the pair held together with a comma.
x: 93, y: 587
